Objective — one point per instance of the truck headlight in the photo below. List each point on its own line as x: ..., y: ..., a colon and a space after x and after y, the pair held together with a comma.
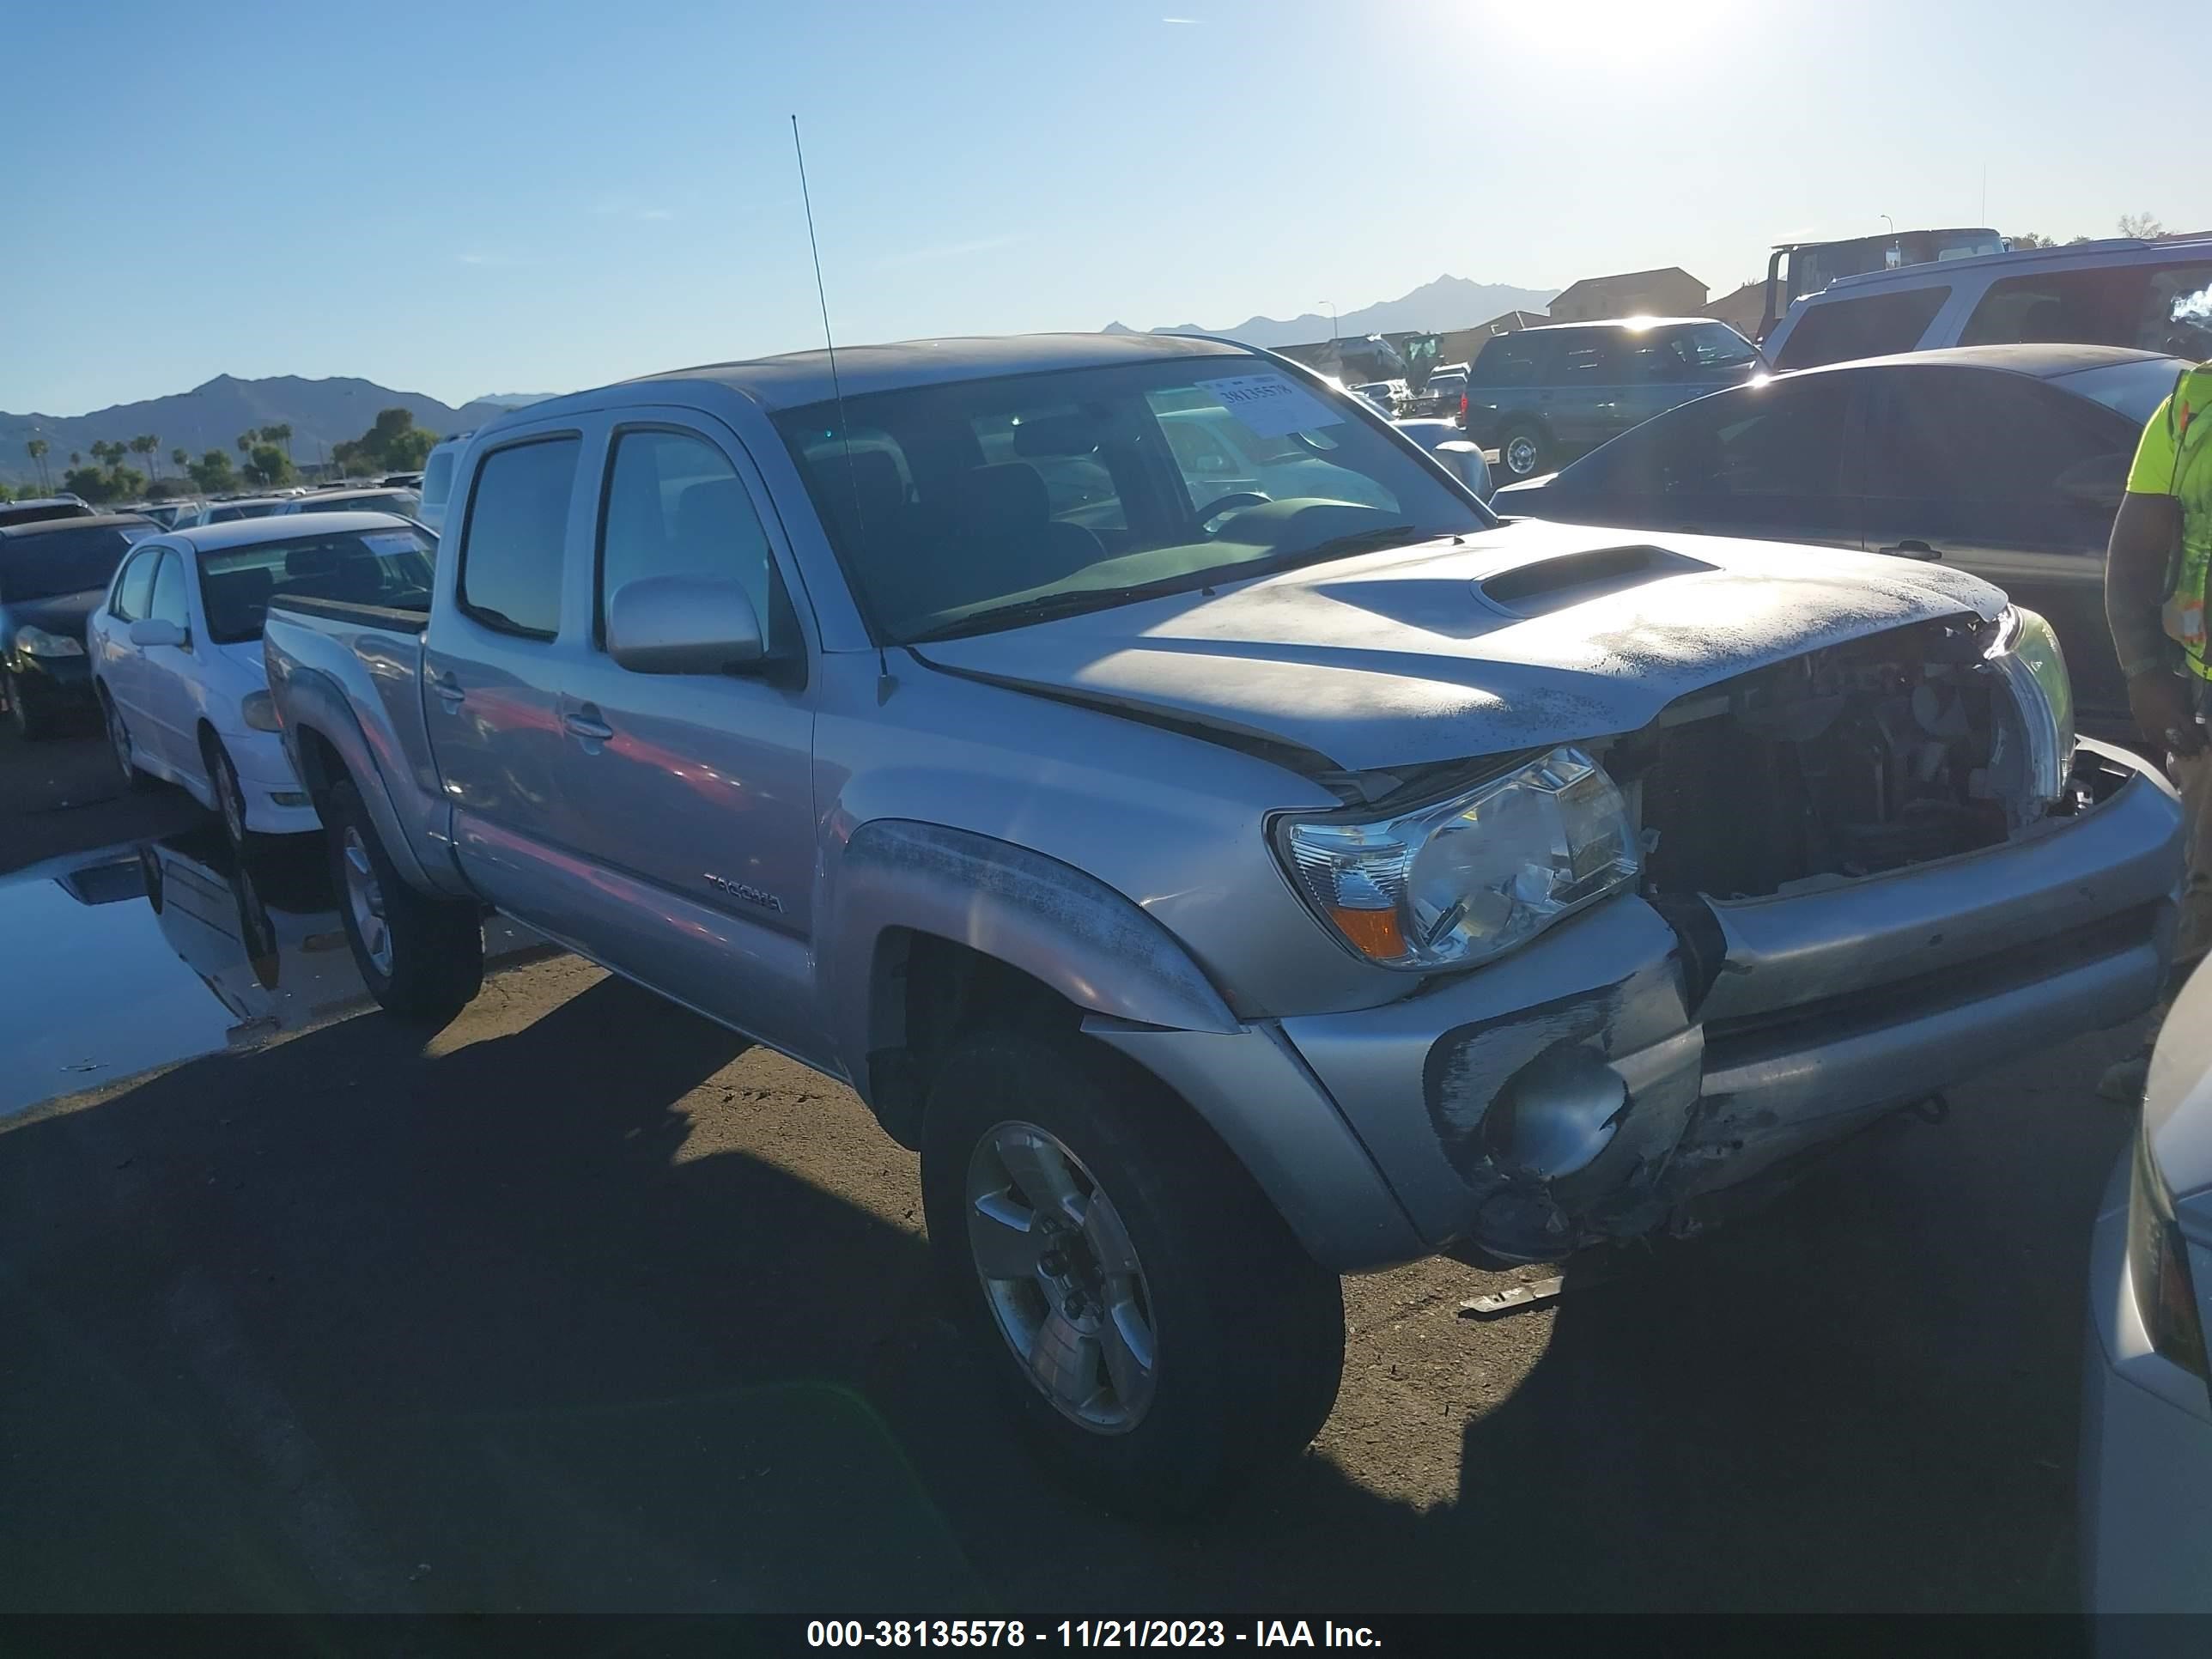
x: 1461, y: 881
x: 37, y: 642
x: 2028, y: 653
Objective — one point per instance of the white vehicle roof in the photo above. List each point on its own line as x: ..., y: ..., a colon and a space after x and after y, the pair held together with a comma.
x: 2111, y: 251
x: 292, y: 527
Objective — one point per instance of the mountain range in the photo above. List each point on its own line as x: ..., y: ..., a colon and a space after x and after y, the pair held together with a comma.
x: 1447, y: 303
x: 321, y: 413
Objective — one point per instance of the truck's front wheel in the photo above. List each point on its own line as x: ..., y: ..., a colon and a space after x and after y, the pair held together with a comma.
x: 1143, y: 1308
x: 421, y: 958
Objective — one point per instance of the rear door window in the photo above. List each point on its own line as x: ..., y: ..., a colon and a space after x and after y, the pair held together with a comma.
x: 1589, y: 357
x: 1992, y: 449
x: 513, y: 540
x: 1839, y: 329
x: 1508, y: 360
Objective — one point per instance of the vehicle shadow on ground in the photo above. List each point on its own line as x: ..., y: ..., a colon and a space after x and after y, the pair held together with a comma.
x: 347, y: 1324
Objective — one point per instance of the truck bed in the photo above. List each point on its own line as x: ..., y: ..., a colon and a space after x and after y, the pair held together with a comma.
x: 347, y: 683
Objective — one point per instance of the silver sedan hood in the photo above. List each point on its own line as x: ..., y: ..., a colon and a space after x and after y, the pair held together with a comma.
x: 1522, y: 637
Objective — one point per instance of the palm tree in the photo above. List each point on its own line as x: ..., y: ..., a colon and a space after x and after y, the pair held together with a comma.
x: 178, y: 459
x: 279, y: 433
x: 246, y: 442
x: 38, y: 448
x: 76, y: 459
x: 148, y: 445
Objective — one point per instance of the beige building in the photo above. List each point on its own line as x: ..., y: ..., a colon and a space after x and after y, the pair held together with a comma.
x: 1671, y: 292
x: 1741, y: 310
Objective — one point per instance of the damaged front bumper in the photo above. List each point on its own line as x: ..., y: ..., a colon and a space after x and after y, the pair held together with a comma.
x: 1609, y: 1076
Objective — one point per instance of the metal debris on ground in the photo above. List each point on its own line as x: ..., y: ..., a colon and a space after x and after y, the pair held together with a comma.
x: 1513, y: 1297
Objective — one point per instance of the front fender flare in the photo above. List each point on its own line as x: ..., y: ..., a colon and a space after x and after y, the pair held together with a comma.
x: 1141, y: 993
x: 1056, y: 923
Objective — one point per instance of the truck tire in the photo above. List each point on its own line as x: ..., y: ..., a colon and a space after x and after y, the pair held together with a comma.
x: 1141, y: 1305
x: 1524, y: 451
x: 422, y: 958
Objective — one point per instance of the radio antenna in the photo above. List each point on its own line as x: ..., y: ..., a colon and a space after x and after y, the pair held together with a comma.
x: 883, y: 681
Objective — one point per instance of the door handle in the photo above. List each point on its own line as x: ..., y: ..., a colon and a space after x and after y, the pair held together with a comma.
x: 585, y: 723
x: 448, y: 686
x: 1913, y: 548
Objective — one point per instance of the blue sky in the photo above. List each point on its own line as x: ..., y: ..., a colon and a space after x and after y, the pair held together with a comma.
x: 462, y: 198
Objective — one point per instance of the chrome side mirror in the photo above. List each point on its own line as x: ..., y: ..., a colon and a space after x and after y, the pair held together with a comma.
x: 683, y: 625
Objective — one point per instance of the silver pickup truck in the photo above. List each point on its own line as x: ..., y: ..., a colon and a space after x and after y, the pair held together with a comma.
x: 1231, y: 863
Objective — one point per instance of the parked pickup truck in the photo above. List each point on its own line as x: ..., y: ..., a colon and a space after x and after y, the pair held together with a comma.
x: 1222, y: 892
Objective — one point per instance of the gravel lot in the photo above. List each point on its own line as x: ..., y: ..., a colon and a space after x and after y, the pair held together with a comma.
x: 585, y: 1305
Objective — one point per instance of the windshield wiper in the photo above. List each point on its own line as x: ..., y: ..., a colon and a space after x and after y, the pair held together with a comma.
x: 1336, y: 547
x: 1047, y: 606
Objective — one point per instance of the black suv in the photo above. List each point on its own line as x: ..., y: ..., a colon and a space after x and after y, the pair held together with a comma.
x: 1540, y: 397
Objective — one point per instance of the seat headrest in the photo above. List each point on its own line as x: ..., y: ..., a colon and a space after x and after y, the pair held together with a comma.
x: 315, y: 561
x: 706, y: 512
x: 1009, y: 495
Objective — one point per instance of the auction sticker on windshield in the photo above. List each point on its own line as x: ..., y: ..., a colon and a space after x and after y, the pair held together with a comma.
x: 1270, y: 404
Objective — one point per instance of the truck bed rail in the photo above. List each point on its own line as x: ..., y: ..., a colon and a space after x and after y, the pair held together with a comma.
x: 371, y: 615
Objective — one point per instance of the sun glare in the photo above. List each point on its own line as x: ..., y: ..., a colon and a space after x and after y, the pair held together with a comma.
x: 1610, y: 28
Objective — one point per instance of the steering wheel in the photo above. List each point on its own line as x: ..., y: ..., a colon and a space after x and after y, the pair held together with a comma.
x: 1221, y: 506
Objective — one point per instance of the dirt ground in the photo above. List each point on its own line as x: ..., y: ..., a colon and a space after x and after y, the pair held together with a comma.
x: 585, y: 1304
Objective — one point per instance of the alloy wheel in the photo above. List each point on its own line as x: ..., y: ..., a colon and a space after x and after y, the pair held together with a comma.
x: 229, y: 797
x: 119, y: 739
x: 1062, y: 1277
x: 365, y: 902
x: 1520, y: 457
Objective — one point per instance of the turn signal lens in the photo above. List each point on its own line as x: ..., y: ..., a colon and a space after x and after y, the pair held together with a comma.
x: 1374, y: 933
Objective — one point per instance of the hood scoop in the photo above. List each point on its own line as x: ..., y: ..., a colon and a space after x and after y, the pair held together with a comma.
x: 1569, y: 579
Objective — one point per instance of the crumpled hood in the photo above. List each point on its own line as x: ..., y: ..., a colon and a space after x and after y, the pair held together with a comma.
x: 1518, y: 638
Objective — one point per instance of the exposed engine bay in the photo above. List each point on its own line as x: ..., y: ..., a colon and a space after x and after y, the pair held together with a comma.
x: 1887, y: 751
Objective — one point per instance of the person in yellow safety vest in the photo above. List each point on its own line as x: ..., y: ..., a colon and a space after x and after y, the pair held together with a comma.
x: 2156, y: 571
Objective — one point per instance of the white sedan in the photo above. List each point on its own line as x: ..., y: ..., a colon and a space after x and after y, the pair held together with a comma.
x: 176, y: 649
x: 2146, y: 1396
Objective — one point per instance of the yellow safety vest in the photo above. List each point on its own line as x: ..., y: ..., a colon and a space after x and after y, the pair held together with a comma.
x: 2175, y: 458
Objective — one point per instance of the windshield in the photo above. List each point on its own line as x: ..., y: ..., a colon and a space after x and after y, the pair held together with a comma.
x: 390, y: 567
x: 948, y: 504
x: 232, y: 511
x: 59, y: 562
x: 2135, y: 389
